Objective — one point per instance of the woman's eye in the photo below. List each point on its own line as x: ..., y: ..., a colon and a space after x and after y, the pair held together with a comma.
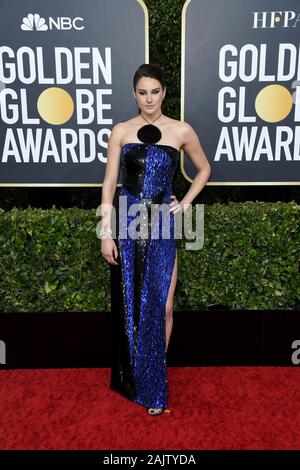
x: 155, y: 92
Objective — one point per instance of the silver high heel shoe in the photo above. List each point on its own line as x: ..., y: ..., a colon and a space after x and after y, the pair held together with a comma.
x: 157, y: 411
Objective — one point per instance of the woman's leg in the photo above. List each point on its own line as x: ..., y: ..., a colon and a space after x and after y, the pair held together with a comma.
x: 170, y: 302
x: 169, y: 323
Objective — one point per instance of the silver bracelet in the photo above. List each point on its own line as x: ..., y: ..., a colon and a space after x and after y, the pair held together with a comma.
x: 105, y: 231
x: 105, y: 236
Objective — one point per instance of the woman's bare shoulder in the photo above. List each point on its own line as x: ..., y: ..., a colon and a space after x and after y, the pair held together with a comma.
x: 121, y: 129
x: 185, y: 129
x: 122, y: 126
x: 180, y: 125
x: 182, y: 129
x: 184, y: 125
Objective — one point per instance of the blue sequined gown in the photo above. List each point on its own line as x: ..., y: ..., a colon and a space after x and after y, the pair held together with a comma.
x: 141, y: 280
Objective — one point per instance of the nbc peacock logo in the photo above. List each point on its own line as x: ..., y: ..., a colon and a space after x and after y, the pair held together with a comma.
x: 34, y: 22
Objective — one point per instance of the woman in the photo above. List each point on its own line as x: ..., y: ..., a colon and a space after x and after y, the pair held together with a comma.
x: 144, y: 268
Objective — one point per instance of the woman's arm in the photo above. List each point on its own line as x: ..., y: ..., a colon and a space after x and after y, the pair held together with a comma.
x: 111, y: 175
x: 192, y: 148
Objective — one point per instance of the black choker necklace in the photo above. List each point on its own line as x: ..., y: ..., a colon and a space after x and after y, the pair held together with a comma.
x: 148, y: 133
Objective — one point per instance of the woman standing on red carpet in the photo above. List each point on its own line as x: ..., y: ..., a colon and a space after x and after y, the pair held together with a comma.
x: 143, y: 264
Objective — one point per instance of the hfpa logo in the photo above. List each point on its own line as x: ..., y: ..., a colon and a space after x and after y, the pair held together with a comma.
x: 34, y: 22
x: 275, y: 19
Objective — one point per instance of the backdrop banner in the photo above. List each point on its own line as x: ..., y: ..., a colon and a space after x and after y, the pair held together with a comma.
x: 241, y: 88
x: 65, y: 79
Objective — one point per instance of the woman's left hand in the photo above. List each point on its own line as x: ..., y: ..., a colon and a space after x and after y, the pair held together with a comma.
x: 175, y: 205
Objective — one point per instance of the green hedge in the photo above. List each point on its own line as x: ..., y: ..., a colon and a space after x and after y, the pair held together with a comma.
x: 50, y: 260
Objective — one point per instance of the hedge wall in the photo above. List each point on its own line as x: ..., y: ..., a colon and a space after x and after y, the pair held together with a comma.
x: 50, y: 260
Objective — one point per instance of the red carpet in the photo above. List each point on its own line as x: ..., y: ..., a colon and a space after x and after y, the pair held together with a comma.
x: 211, y: 408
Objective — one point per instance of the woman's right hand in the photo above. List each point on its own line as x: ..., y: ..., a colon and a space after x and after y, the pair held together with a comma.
x: 109, y: 250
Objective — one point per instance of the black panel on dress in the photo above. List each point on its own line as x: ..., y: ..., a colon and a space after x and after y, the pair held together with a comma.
x: 134, y: 169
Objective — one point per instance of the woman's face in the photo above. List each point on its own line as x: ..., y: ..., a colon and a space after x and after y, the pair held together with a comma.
x: 149, y: 95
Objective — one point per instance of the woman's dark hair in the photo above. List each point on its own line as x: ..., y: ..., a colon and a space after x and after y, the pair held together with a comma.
x: 149, y: 70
